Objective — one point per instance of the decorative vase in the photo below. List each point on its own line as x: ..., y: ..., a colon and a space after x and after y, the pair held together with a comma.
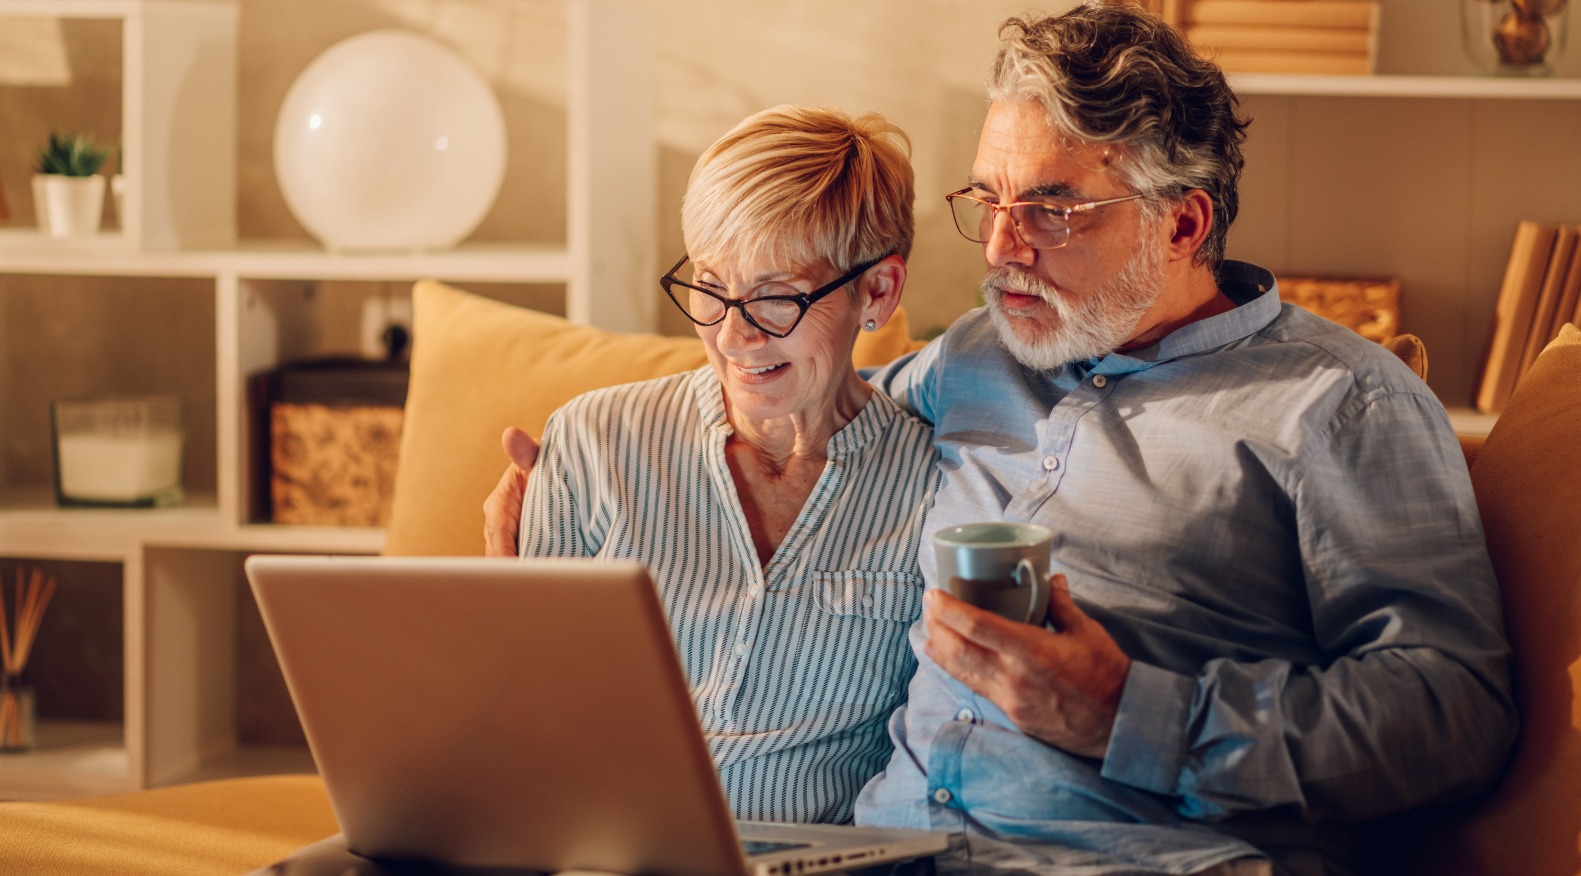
x: 17, y: 730
x: 68, y: 206
x: 1514, y: 37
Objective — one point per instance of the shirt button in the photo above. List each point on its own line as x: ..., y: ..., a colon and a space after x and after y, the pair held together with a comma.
x: 755, y: 591
x: 942, y: 795
x: 965, y: 715
x: 1100, y: 381
x: 741, y: 649
x: 1050, y: 463
x: 867, y: 601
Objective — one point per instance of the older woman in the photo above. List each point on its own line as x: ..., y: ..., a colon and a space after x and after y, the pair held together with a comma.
x: 774, y: 494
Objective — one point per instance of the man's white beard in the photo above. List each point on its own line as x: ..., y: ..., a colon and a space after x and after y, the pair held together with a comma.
x: 1092, y: 325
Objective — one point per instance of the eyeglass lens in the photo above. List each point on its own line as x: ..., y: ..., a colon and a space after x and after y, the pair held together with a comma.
x: 1040, y: 227
x: 772, y: 314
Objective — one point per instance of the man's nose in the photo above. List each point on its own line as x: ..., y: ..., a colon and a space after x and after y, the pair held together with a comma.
x: 1005, y: 246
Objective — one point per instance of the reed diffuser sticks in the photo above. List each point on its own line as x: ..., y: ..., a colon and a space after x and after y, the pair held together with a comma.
x: 16, y: 643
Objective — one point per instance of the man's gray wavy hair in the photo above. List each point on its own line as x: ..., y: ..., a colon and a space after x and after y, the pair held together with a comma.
x: 1122, y: 78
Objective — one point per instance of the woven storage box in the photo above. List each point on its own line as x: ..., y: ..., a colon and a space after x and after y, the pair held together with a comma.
x: 1369, y: 307
x: 333, y: 432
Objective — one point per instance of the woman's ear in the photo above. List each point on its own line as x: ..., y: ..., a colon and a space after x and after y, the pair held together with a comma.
x: 1193, y: 219
x: 880, y: 288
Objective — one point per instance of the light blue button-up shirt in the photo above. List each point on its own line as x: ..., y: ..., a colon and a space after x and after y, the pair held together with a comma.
x: 1272, y: 517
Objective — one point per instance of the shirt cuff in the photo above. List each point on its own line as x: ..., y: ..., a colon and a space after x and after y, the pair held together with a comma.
x: 1147, y: 747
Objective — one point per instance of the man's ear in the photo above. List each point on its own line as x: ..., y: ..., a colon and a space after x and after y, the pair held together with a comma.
x: 880, y: 287
x: 1193, y: 219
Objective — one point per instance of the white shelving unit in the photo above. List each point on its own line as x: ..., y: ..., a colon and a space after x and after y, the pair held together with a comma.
x: 180, y: 568
x: 1475, y: 87
x: 1419, y: 177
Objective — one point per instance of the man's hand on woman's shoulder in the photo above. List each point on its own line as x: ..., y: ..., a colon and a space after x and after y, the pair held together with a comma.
x: 502, y: 509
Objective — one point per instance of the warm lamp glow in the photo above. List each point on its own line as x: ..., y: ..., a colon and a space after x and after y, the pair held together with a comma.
x: 390, y: 141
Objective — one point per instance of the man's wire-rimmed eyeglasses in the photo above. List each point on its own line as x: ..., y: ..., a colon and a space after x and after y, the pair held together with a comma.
x: 1039, y: 225
x: 776, y: 315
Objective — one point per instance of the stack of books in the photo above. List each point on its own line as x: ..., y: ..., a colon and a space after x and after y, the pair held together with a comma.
x: 1280, y: 36
x: 1541, y: 292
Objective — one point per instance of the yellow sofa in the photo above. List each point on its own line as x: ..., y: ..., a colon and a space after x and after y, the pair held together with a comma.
x: 487, y: 365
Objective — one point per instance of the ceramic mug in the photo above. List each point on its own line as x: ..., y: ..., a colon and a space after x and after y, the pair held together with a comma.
x: 1000, y: 566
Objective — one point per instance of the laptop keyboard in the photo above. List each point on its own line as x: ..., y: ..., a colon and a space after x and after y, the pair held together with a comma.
x: 762, y: 847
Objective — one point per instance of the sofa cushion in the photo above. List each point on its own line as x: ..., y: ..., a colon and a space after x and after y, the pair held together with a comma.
x: 1527, y: 477
x: 204, y: 829
x: 479, y: 365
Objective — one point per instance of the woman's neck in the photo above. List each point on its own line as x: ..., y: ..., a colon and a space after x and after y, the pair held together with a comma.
x: 803, y: 435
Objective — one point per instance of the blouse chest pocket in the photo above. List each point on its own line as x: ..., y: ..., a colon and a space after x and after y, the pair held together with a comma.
x: 887, y: 596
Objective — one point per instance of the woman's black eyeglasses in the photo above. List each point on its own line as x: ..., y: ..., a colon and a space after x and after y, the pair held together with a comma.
x: 776, y: 315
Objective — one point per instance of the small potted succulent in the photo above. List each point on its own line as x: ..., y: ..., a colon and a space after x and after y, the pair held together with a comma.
x: 68, y: 190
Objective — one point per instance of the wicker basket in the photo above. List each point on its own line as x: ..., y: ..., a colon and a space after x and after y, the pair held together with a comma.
x: 1369, y: 307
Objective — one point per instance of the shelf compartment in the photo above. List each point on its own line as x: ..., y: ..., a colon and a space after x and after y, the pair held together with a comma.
x: 77, y: 670
x: 69, y: 336
x: 227, y: 712
x: 177, y: 125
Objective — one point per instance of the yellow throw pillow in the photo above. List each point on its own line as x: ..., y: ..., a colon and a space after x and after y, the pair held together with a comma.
x: 1528, y: 481
x: 479, y: 365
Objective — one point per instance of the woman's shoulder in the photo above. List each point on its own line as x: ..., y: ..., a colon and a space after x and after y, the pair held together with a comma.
x: 657, y: 395
x: 894, y: 427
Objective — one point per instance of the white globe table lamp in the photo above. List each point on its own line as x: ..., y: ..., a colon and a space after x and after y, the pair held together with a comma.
x: 389, y: 141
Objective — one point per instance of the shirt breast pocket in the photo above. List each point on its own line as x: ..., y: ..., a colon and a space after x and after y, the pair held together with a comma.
x: 855, y: 659
x: 885, y: 596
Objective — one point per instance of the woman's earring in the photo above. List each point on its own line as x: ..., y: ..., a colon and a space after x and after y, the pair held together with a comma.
x: 870, y: 326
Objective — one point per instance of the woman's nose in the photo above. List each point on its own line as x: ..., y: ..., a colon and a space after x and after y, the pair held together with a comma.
x: 736, y: 333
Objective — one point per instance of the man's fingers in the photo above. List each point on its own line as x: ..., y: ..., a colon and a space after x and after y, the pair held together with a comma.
x: 967, y: 662
x: 520, y: 447
x: 1063, y: 612
x: 502, y: 512
x: 977, y: 625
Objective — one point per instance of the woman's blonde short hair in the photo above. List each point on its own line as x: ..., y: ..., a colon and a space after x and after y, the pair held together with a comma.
x: 802, y: 186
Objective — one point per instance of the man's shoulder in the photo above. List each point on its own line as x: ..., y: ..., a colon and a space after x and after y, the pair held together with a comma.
x: 1306, y: 335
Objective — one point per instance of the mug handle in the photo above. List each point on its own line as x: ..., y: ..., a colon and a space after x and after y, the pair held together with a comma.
x: 1026, y: 575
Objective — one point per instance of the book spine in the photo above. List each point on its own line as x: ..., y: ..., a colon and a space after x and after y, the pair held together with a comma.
x: 1543, y: 327
x: 1242, y: 61
x: 1523, y: 276
x: 1343, y: 14
x: 1343, y: 41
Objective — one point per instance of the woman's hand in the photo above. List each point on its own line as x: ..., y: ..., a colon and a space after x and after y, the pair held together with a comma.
x: 502, y: 509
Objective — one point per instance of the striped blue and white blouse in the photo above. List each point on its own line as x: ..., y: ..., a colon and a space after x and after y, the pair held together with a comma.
x: 794, y: 667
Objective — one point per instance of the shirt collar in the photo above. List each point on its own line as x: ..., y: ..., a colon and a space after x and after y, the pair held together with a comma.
x: 1256, y: 297
x: 868, y: 425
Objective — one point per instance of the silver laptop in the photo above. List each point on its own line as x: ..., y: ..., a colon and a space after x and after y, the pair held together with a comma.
x: 528, y: 714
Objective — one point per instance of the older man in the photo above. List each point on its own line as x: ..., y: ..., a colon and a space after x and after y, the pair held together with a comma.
x: 1274, y: 614
x: 1280, y: 614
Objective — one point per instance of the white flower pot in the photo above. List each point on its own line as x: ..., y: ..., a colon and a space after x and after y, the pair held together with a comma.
x: 69, y: 206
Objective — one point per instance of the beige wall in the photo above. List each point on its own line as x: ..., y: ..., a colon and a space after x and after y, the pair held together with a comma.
x: 718, y: 60
x: 918, y: 61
